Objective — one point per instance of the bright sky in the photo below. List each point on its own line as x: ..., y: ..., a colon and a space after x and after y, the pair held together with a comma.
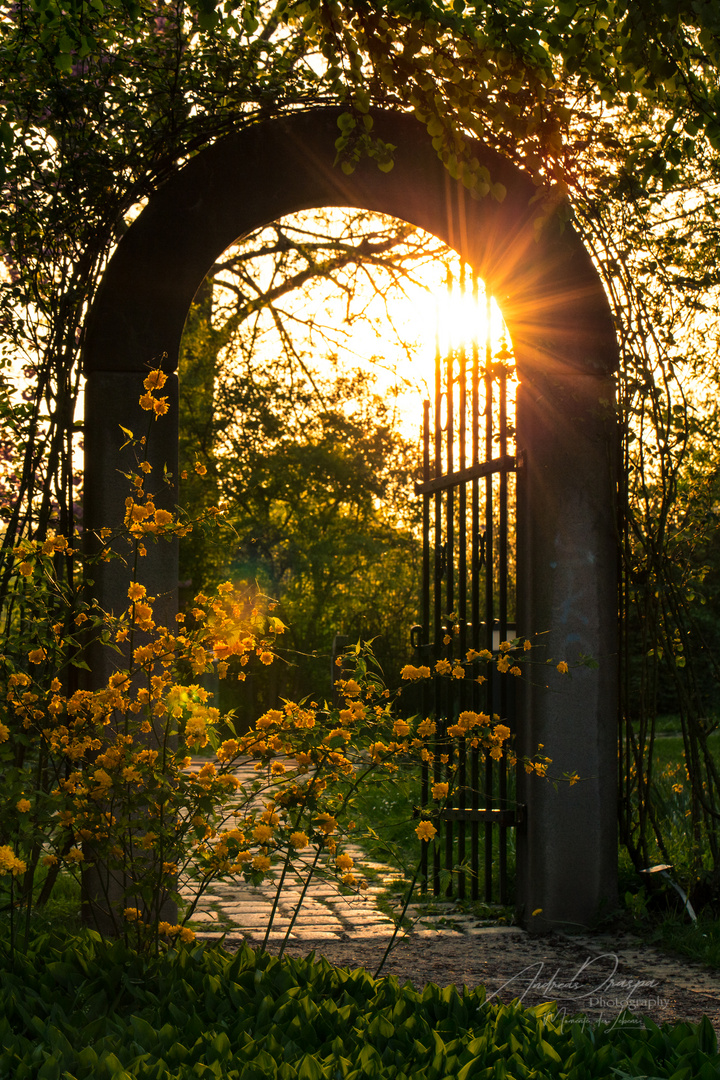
x: 397, y: 323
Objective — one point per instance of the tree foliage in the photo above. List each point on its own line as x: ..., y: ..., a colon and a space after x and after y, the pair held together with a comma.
x: 303, y: 448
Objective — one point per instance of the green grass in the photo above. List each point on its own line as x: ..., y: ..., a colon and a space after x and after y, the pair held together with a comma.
x: 383, y: 812
x: 698, y: 941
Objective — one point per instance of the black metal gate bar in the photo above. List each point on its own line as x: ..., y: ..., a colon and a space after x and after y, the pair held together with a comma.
x: 503, y: 620
x: 475, y: 600
x: 446, y: 630
x: 489, y: 581
x: 462, y: 591
x: 439, y: 568
x: 425, y: 614
x: 449, y: 569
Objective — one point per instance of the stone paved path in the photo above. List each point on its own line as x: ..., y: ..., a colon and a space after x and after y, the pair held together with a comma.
x: 326, y: 913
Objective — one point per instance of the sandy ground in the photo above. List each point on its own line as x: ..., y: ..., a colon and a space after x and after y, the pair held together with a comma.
x: 598, y: 976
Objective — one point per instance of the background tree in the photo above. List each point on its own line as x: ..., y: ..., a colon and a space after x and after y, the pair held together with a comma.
x: 304, y: 441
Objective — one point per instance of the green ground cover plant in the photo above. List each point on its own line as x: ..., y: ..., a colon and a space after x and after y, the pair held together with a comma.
x: 86, y: 1008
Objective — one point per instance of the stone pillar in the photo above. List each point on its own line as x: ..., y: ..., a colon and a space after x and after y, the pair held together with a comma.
x: 111, y: 403
x: 567, y: 604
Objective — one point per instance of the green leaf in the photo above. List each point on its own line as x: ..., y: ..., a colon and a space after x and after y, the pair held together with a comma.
x: 50, y: 1070
x: 308, y: 1069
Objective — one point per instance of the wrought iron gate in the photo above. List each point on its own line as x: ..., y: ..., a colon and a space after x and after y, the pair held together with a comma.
x: 468, y: 603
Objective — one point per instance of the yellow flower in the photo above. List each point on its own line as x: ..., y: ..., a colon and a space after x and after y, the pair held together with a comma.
x: 515, y: 670
x: 344, y: 862
x: 147, y: 402
x: 469, y: 719
x: 228, y: 750
x: 272, y: 716
x: 143, y: 614
x: 136, y: 591
x: 526, y: 645
x: 299, y: 840
x: 75, y: 855
x: 443, y: 667
x: 458, y: 672
x: 200, y: 469
x: 261, y: 862
x: 160, y: 406
x: 163, y: 517
x: 23, y: 805
x: 155, y: 380
x: 562, y: 667
x: 327, y: 823
x: 266, y: 657
x: 439, y: 791
x: 9, y: 863
x: 25, y: 569
x: 401, y: 728
x: 426, y: 727
x: 186, y: 934
x: 426, y: 830
x: 262, y: 833
x: 4, y: 732
x: 377, y: 750
x: 132, y: 914
x: 36, y: 656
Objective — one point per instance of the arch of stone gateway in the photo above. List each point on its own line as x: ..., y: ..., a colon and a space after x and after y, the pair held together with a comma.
x: 566, y: 353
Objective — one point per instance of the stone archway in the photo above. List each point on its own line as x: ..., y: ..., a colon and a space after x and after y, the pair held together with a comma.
x: 566, y: 352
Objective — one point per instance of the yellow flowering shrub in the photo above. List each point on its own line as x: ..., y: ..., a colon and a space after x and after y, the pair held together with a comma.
x: 118, y: 788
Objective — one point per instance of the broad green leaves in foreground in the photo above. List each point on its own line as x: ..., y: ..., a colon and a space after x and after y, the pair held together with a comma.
x: 87, y: 1009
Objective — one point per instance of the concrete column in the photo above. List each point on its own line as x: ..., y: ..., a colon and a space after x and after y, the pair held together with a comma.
x: 567, y: 590
x: 111, y: 403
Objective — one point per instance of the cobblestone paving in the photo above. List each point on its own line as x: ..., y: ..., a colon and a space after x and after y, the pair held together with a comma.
x: 326, y: 913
